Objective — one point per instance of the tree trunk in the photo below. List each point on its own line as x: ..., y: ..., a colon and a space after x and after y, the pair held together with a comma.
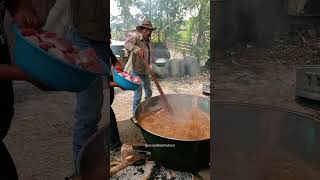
x: 200, y: 28
x: 125, y: 11
x: 159, y: 34
x: 165, y: 35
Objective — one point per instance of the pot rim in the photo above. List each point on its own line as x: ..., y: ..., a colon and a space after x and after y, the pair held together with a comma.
x: 267, y: 107
x: 170, y: 138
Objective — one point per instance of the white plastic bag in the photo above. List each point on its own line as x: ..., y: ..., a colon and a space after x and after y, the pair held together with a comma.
x: 58, y: 19
x: 129, y: 67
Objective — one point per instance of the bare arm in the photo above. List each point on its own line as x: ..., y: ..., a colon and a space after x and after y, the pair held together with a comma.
x: 114, y: 84
x: 12, y: 72
x: 23, y: 13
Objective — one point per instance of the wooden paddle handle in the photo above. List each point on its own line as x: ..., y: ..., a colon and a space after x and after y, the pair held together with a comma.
x: 154, y: 78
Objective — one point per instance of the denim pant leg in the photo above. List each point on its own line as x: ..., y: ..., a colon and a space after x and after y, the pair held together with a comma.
x: 147, y: 87
x: 87, y: 115
x: 114, y: 132
x: 138, y: 93
x: 88, y: 102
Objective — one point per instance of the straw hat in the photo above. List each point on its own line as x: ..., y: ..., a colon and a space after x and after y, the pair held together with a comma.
x: 145, y: 24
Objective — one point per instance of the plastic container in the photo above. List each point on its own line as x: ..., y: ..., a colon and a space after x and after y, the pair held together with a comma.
x: 176, y: 68
x: 48, y: 69
x: 192, y: 66
x: 124, y: 83
x: 161, y: 68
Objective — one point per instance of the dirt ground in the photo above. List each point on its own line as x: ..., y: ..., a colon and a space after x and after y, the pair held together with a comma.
x: 40, y: 136
x: 41, y: 133
x: 265, y: 75
x: 186, y: 85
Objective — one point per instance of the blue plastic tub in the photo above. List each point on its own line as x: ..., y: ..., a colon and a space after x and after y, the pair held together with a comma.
x: 124, y: 83
x: 50, y: 70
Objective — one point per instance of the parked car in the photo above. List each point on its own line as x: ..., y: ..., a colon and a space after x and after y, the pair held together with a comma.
x: 119, y: 51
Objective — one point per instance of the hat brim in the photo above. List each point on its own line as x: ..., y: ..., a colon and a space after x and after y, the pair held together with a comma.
x: 140, y: 27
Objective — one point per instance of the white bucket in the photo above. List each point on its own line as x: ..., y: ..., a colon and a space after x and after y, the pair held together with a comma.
x: 176, y: 68
x: 161, y: 68
x: 192, y: 65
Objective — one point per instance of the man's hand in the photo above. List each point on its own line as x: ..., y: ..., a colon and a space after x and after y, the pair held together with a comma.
x: 141, y: 53
x: 39, y: 85
x: 118, y: 66
x: 27, y: 18
x: 114, y: 84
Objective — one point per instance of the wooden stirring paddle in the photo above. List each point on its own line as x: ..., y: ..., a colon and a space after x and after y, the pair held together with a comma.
x: 155, y: 79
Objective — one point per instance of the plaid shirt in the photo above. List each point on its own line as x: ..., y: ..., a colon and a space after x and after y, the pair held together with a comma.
x: 133, y: 45
x: 90, y: 18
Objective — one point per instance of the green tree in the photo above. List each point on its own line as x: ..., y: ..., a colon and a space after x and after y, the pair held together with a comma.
x: 166, y: 15
x: 169, y: 17
x: 201, y: 27
x: 125, y: 13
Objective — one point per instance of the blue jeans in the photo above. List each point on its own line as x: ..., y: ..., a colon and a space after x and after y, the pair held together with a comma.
x: 114, y: 132
x: 138, y: 93
x: 90, y: 101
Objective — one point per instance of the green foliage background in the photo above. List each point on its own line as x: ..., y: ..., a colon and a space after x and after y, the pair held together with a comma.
x: 170, y: 18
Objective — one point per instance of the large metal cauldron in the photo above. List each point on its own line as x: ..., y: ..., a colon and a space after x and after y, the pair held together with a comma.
x: 258, y: 142
x: 185, y: 155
